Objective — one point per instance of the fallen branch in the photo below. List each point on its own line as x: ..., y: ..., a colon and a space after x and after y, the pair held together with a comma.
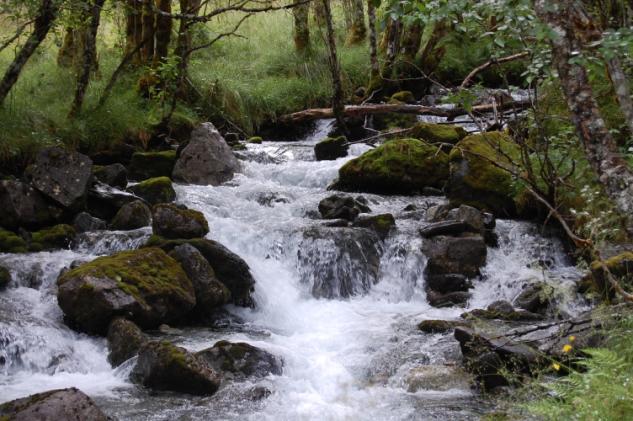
x: 370, y: 109
x: 468, y: 80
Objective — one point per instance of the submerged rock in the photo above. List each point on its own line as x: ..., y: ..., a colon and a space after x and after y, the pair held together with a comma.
x: 114, y: 175
x: 163, y: 366
x: 401, y: 166
x: 381, y: 224
x: 438, y: 133
x: 144, y: 165
x: 23, y: 206
x: 155, y: 190
x: 331, y: 148
x: 171, y: 221
x: 132, y: 216
x: 125, y: 339
x: 5, y: 277
x: 241, y: 360
x: 54, y: 405
x: 440, y: 326
x: 207, y: 158
x: 145, y: 286
x: 10, y: 242
x: 342, y: 207
x: 61, y: 175
x: 84, y: 222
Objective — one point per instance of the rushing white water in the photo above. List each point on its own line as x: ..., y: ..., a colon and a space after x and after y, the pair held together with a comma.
x: 344, y: 359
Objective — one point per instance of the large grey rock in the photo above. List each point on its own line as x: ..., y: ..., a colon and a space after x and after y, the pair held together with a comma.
x: 54, y: 405
x: 382, y: 224
x: 461, y: 255
x: 241, y: 360
x: 125, y: 339
x: 132, y: 216
x: 114, y: 175
x: 61, y: 175
x: 207, y: 158
x: 536, y: 297
x: 171, y: 221
x: 23, y: 206
x: 341, y: 207
x: 85, y: 222
x: 163, y: 366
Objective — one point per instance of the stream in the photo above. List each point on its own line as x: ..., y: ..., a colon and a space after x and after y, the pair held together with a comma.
x: 353, y: 358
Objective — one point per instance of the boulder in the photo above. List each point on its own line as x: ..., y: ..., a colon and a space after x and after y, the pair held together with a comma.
x: 54, y: 405
x: 163, y: 366
x: 440, y: 326
x: 241, y: 360
x: 437, y: 213
x: 61, y: 175
x: 331, y: 148
x: 230, y: 269
x: 476, y: 178
x: 460, y: 255
x: 401, y: 166
x: 450, y: 282
x: 5, y: 277
x: 170, y: 221
x: 444, y: 228
x: 437, y: 378
x: 339, y: 262
x: 114, y: 175
x: 472, y: 217
x: 23, y: 206
x: 210, y: 293
x: 535, y: 298
x: 439, y: 300
x: 256, y: 140
x: 155, y: 190
x: 10, y: 242
x: 145, y: 286
x: 403, y: 96
x: 438, y: 133
x: 125, y: 339
x: 85, y: 222
x: 105, y: 201
x: 207, y: 158
x: 144, y: 165
x: 132, y: 216
x: 381, y: 224
x: 341, y: 207
x: 57, y: 237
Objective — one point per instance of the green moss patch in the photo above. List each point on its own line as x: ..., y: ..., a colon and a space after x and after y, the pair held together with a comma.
x: 58, y: 236
x: 155, y: 190
x: 438, y: 133
x: 11, y: 242
x: 144, y: 165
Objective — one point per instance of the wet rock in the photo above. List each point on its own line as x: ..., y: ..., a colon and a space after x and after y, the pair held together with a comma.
x: 382, y: 224
x: 23, y: 206
x: 438, y: 212
x: 460, y: 255
x: 450, y: 282
x: 258, y: 393
x: 210, y: 293
x: 85, y: 222
x: 457, y: 298
x: 256, y: 140
x: 5, y: 277
x: 105, y: 201
x: 57, y: 237
x: 61, y: 175
x: 207, y: 158
x: 403, y: 96
x: 62, y: 404
x: 163, y: 366
x: 437, y: 378
x: 144, y: 165
x: 511, y: 315
x: 114, y: 175
x: 331, y: 148
x: 401, y: 166
x: 440, y: 326
x: 339, y: 262
x: 535, y: 298
x: 10, y: 242
x: 444, y: 228
x: 334, y: 223
x: 170, y: 221
x: 241, y: 360
x: 341, y: 207
x: 132, y: 216
x: 473, y: 218
x: 155, y: 190
x: 438, y: 133
x: 270, y: 199
x: 125, y: 339
x: 229, y: 268
x: 145, y: 286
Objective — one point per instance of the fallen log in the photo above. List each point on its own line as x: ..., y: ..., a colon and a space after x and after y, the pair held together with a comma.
x: 371, y: 109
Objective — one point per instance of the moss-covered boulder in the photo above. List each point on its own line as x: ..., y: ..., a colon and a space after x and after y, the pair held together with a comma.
x: 476, y: 178
x: 331, y: 148
x: 382, y: 224
x: 56, y: 237
x: 239, y: 359
x: 5, y: 277
x: 144, y: 165
x: 155, y: 190
x: 403, y: 96
x: 132, y: 216
x: 10, y: 242
x: 164, y: 366
x: 145, y: 286
x: 401, y: 166
x: 171, y: 221
x: 257, y: 140
x: 62, y: 404
x: 619, y: 266
x: 438, y: 133
x: 394, y: 121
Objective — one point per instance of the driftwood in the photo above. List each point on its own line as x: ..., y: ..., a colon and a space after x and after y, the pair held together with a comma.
x: 370, y: 109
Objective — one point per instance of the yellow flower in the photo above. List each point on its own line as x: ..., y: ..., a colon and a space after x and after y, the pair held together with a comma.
x: 556, y: 366
x: 572, y: 338
x: 567, y: 348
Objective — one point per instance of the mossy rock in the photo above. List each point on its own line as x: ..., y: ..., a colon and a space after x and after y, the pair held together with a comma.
x: 620, y: 266
x: 5, y: 277
x: 155, y: 190
x: 171, y: 221
x: 255, y: 139
x: 144, y: 165
x: 403, y: 96
x: 331, y: 148
x: 181, y: 125
x: 56, y: 237
x: 145, y: 286
x: 132, y: 216
x: 401, y: 166
x: 438, y: 133
x: 394, y: 121
x: 10, y: 242
x: 476, y: 178
x: 440, y: 326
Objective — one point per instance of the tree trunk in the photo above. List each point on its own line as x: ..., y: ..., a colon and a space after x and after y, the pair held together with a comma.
x: 148, y: 19
x: 133, y: 29
x: 375, y: 80
x: 43, y: 22
x: 601, y: 151
x: 338, y: 105
x: 162, y: 32
x: 70, y: 53
x: 357, y: 31
x: 622, y: 91
x: 301, y: 27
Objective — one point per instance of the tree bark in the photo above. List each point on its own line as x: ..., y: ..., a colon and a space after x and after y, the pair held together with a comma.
x: 90, y: 54
x: 162, y: 32
x: 148, y: 20
x: 43, y: 22
x: 375, y: 80
x: 133, y: 29
x: 338, y: 106
x: 301, y: 28
x: 602, y: 153
x: 357, y: 31
x: 622, y: 90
